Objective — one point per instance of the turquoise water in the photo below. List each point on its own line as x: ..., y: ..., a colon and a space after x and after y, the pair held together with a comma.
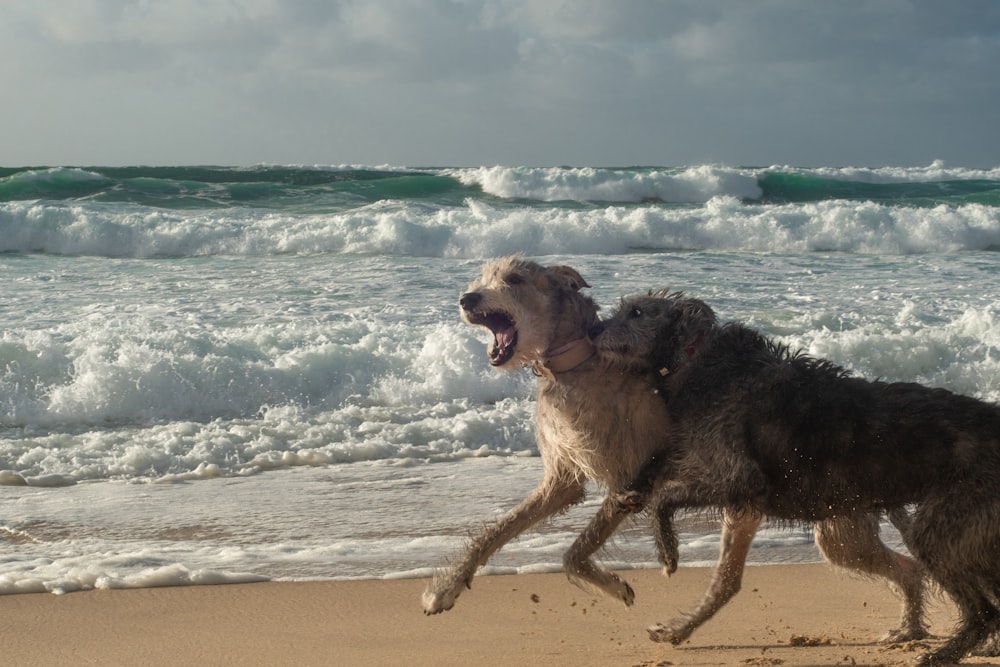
x: 339, y: 188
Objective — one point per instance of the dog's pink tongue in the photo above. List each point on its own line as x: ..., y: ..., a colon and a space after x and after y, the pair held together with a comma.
x: 502, y: 340
x: 505, y: 337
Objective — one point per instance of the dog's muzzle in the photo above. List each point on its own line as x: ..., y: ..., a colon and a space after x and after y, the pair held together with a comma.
x: 500, y: 324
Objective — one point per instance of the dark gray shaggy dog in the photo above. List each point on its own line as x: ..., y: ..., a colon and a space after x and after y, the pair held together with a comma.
x: 757, y: 427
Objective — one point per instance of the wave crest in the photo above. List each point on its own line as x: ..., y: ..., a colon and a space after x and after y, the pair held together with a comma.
x: 679, y: 186
x: 479, y: 229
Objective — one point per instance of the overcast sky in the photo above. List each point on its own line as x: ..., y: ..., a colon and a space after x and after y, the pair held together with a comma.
x: 500, y: 82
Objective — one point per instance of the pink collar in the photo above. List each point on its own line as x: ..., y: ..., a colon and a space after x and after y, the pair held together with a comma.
x: 564, y: 358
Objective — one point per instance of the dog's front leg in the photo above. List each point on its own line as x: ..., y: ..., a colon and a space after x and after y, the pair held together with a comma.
x: 581, y: 570
x: 672, y: 496
x: 551, y: 496
x: 667, y: 544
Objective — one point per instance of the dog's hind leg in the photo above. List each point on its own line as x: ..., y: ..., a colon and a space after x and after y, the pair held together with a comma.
x: 577, y: 562
x: 852, y: 542
x: 955, y: 535
x: 738, y: 530
x: 979, y: 619
x: 553, y: 495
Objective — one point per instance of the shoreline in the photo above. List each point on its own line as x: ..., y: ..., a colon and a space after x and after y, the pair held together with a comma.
x: 503, y: 621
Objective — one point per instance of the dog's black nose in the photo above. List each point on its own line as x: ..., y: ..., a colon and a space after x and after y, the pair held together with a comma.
x: 470, y: 300
x: 596, y: 330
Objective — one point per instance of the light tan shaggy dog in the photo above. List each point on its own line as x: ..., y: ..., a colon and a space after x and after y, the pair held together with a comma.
x: 590, y: 424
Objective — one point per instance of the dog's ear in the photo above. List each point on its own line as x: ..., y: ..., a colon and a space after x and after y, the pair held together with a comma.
x: 697, y: 321
x: 569, y: 277
x: 700, y: 312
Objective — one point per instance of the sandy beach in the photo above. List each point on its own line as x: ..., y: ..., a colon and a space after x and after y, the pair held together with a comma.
x: 786, y: 614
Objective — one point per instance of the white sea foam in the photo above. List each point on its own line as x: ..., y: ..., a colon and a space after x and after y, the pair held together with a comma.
x: 692, y: 185
x: 348, y: 522
x: 52, y: 174
x: 244, y: 382
x: 936, y: 171
x: 479, y: 230
x: 962, y: 354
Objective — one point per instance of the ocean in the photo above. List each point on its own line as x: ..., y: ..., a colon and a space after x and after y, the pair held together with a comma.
x: 217, y: 374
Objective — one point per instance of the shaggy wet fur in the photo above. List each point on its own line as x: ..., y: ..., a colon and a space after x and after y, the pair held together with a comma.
x: 761, y: 429
x: 589, y: 425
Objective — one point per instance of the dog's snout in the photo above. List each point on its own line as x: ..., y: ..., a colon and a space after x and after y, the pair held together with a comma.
x: 470, y: 300
x: 596, y: 330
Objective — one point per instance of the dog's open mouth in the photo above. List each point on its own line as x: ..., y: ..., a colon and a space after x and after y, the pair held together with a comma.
x: 504, y: 334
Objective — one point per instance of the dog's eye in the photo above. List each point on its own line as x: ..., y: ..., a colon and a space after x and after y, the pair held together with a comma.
x: 514, y: 279
x: 635, y: 312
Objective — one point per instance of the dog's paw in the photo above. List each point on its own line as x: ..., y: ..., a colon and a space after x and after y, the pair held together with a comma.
x: 626, y: 595
x: 931, y: 660
x: 903, y: 635
x: 670, y: 562
x: 437, y: 601
x: 597, y: 579
x: 668, y: 634
x: 670, y: 557
x: 989, y: 648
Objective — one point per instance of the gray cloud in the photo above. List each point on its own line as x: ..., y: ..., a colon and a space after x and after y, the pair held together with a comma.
x: 501, y: 81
